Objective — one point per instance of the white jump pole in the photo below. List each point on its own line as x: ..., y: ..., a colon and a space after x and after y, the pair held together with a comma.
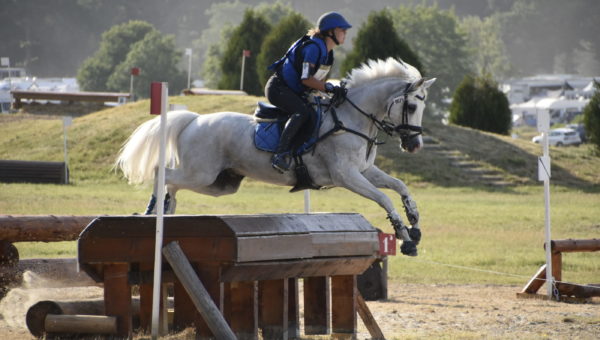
x: 306, y: 201
x: 543, y: 126
x: 67, y: 121
x: 159, y: 98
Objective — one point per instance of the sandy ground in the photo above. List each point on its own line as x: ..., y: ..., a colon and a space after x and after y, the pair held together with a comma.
x: 412, y: 311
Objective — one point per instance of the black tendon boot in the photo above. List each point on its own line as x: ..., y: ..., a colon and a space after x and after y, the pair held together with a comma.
x: 282, y: 160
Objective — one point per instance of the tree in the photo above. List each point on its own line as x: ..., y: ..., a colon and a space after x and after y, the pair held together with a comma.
x: 486, y: 46
x: 479, y: 103
x: 163, y: 67
x: 591, y: 118
x: 116, y: 42
x: 377, y: 39
x: 249, y: 35
x: 135, y: 43
x: 277, y: 42
x: 441, y: 46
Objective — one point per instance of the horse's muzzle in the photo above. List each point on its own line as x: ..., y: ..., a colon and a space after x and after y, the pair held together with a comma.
x: 412, y: 143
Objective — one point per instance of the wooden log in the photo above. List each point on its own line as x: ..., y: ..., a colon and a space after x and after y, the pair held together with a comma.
x: 579, y: 291
x: 80, y: 324
x: 571, y: 245
x: 42, y: 228
x: 368, y: 319
x: 194, y: 287
x: 37, y: 313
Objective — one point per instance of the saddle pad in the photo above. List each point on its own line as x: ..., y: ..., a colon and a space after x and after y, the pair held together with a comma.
x: 266, y: 136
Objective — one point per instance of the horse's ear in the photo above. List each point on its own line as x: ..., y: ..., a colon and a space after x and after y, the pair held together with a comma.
x: 428, y: 83
x: 416, y: 85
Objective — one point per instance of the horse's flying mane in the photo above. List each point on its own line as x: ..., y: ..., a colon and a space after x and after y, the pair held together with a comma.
x: 376, y: 69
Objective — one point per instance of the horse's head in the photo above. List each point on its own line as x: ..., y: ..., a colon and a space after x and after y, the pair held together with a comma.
x: 397, y: 92
x: 405, y: 111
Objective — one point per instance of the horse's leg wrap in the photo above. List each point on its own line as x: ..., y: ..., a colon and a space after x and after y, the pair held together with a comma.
x: 151, y: 205
x: 167, y: 203
x: 410, y: 207
x: 408, y: 247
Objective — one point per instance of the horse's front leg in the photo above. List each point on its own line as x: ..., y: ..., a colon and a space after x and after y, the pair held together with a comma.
x: 381, y: 179
x: 354, y: 181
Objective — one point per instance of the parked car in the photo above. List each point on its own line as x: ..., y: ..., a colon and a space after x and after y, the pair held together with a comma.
x: 580, y: 130
x: 560, y: 137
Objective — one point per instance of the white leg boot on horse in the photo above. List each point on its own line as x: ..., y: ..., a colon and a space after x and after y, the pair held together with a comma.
x: 362, y: 185
x: 382, y: 180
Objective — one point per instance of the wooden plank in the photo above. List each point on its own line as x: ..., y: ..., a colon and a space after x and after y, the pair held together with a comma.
x: 368, y: 319
x: 241, y: 308
x: 572, y: 245
x: 200, y: 296
x: 117, y: 296
x: 298, y: 268
x: 274, y: 247
x: 273, y: 308
x: 44, y: 228
x: 81, y: 324
x: 345, y: 244
x: 343, y: 304
x: 146, y: 295
x: 316, y: 305
x: 70, y: 96
x: 253, y: 225
x: 293, y: 309
x: 536, y: 282
x: 131, y: 249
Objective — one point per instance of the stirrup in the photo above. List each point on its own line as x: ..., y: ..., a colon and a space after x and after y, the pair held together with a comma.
x: 280, y: 163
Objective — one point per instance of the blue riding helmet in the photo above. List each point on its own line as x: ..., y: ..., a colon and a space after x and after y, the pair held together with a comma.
x: 332, y: 20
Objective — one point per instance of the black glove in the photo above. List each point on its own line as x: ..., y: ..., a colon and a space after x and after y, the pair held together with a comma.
x: 339, y: 92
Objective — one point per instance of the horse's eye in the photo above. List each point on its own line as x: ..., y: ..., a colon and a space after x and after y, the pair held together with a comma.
x: 412, y: 108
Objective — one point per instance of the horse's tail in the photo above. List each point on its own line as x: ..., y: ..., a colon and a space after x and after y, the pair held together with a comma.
x: 138, y: 158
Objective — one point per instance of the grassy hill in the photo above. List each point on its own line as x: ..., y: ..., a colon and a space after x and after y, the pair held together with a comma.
x: 453, y: 156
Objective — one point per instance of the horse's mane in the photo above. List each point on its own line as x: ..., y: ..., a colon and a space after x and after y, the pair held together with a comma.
x: 376, y: 69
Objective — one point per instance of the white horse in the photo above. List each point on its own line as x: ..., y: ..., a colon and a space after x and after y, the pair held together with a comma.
x: 212, y: 153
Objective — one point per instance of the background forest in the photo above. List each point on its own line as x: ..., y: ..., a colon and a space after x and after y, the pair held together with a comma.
x: 514, y: 37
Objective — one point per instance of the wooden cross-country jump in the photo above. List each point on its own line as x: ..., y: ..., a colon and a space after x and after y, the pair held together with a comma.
x: 566, y: 291
x: 250, y: 267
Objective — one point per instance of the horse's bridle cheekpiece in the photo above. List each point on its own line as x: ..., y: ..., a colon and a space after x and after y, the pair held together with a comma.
x: 404, y: 129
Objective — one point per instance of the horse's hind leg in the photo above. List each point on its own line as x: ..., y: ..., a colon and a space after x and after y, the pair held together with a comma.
x: 170, y: 201
x: 151, y: 208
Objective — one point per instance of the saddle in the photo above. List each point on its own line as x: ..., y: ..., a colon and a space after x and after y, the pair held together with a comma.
x: 270, y: 123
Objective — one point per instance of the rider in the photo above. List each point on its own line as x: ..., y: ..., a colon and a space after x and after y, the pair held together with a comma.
x: 301, y: 70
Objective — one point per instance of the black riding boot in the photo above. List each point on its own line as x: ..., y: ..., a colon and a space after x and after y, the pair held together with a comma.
x: 281, y: 160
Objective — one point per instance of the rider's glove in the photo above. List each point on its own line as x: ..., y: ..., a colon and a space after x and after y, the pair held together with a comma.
x: 337, y: 91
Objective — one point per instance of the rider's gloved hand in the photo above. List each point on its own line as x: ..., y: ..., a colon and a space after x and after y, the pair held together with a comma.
x: 337, y: 91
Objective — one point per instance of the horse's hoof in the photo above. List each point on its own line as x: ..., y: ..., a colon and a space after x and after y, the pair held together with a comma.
x: 408, y: 248
x: 415, y: 235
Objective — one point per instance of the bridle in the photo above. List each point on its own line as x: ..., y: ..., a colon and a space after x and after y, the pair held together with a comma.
x: 405, y: 130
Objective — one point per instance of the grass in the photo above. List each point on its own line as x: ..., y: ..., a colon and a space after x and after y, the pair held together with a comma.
x: 463, y: 227
x: 472, y: 233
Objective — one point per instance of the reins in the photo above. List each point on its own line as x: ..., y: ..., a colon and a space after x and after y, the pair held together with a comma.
x: 404, y: 129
